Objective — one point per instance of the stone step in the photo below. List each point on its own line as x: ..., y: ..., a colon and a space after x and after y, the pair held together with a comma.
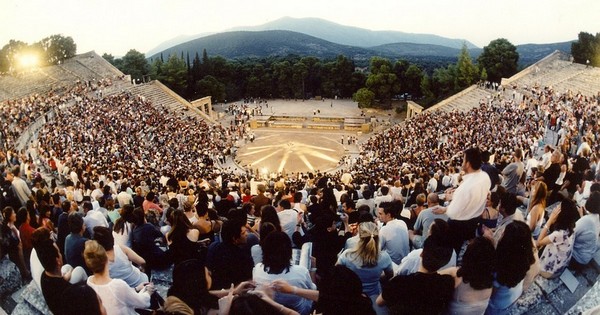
x: 31, y: 301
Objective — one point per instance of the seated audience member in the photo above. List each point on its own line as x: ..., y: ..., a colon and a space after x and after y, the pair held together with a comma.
x: 415, y: 210
x: 117, y: 297
x: 368, y: 261
x: 207, y: 225
x: 37, y: 237
x: 239, y: 215
x: 175, y: 306
x: 288, y: 217
x: 557, y: 236
x: 120, y: 259
x: 191, y: 283
x: 25, y: 231
x: 587, y: 229
x: 75, y: 242
x: 92, y: 218
x: 79, y: 299
x: 537, y: 208
x: 190, y: 212
x: 183, y: 239
x: 508, y: 209
x: 424, y: 292
x: 149, y: 204
x: 393, y: 235
x: 514, y: 259
x: 260, y: 200
x: 489, y: 217
x: 256, y: 250
x: 424, y: 221
x: 411, y: 263
x: 474, y: 279
x: 326, y: 240
x: 340, y: 292
x: 143, y: 241
x: 366, y: 200
x: 12, y: 241
x: 257, y: 302
x: 269, y: 214
x: 122, y: 228
x: 55, y: 278
x: 228, y: 261
x: 277, y: 254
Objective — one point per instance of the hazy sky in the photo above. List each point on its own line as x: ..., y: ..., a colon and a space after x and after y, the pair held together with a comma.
x: 111, y: 26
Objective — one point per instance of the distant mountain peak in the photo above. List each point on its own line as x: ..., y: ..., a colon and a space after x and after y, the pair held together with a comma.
x: 351, y: 35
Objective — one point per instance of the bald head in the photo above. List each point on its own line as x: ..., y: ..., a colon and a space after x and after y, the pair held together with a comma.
x: 432, y: 200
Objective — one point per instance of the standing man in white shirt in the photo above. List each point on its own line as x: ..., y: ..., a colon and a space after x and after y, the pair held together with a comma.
x: 393, y: 236
x: 468, y: 201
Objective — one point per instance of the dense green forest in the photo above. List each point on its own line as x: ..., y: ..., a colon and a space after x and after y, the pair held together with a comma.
x: 295, y: 77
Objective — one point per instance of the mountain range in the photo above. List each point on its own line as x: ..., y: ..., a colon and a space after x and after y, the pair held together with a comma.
x: 325, y: 39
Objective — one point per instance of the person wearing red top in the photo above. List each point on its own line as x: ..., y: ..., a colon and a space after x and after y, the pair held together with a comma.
x: 25, y: 230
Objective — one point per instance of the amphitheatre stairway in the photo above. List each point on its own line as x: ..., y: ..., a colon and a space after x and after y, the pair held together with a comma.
x: 464, y: 100
x: 89, y: 66
x: 162, y: 96
x: 558, y: 72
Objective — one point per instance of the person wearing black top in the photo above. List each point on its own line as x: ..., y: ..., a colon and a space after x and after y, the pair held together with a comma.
x: 424, y: 292
x: 326, y: 240
x: 143, y: 239
x: 52, y: 282
x: 228, y: 261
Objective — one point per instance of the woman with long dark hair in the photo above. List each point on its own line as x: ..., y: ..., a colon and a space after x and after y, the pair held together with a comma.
x: 269, y: 214
x: 514, y: 258
x: 183, y: 239
x: 473, y: 280
x: 123, y: 226
x: 277, y: 253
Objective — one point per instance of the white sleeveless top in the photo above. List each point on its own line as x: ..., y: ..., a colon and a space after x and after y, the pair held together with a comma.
x: 122, y: 269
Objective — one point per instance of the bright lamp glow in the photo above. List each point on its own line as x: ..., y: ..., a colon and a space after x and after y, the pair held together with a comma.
x: 28, y: 60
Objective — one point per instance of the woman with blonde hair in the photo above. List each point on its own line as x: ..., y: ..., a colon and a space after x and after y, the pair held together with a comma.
x: 368, y: 262
x: 537, y: 208
x: 117, y: 297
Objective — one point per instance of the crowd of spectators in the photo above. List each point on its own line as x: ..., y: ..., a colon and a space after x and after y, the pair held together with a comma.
x: 17, y: 114
x: 148, y: 180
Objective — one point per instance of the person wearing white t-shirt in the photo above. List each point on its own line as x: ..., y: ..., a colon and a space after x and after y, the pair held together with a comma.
x: 288, y: 218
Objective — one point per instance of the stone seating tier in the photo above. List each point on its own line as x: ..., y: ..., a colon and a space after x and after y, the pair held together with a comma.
x: 329, y: 119
x: 287, y: 118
